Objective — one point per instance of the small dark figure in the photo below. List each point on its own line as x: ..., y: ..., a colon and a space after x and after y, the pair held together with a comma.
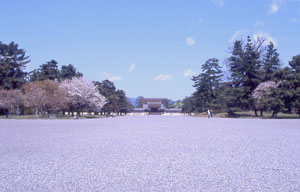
x: 9, y: 114
x: 106, y: 115
x: 211, y: 114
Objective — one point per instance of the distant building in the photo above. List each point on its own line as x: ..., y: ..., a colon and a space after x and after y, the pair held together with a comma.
x: 154, y: 105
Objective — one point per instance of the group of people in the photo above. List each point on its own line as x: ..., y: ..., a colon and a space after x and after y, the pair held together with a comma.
x: 210, y: 113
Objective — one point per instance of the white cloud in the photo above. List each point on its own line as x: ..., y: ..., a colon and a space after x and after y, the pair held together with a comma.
x: 275, y: 6
x: 259, y: 24
x: 162, y: 77
x: 294, y: 20
x: 111, y: 77
x: 115, y: 78
x: 266, y: 36
x: 194, y: 23
x: 238, y: 34
x: 190, y: 41
x: 220, y: 3
x: 131, y: 68
x: 189, y: 73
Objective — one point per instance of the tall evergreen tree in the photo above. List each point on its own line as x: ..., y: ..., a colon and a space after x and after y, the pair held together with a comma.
x: 116, y: 99
x: 251, y: 74
x: 68, y: 72
x: 271, y: 63
x: 48, y: 70
x: 294, y: 83
x: 207, y: 84
x: 245, y: 73
x: 123, y: 104
x: 188, y: 105
x: 236, y: 64
x: 108, y: 90
x: 13, y: 61
x: 295, y: 63
x: 233, y: 89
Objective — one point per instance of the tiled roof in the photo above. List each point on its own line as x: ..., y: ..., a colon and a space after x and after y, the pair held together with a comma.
x: 154, y: 105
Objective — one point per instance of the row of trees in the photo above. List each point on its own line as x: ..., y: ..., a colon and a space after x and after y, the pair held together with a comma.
x: 255, y: 80
x: 50, y: 89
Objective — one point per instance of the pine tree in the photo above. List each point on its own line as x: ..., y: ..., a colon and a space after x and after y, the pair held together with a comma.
x: 271, y: 63
x: 68, y: 72
x: 251, y: 75
x: 236, y: 65
x: 207, y: 84
x: 234, y: 89
x: 49, y: 70
x: 13, y: 62
x: 245, y: 73
x: 295, y: 82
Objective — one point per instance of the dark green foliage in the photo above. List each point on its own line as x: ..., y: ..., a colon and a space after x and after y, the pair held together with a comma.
x: 271, y: 64
x: 188, y: 105
x: 117, y: 100
x: 34, y: 75
x: 229, y: 98
x: 293, y: 88
x: 124, y: 106
x: 252, y: 74
x: 245, y: 73
x: 13, y: 61
x: 207, y: 85
x: 48, y: 70
x: 236, y: 66
x: 295, y: 63
x: 68, y: 72
x: 275, y: 101
x: 137, y: 101
x: 177, y: 104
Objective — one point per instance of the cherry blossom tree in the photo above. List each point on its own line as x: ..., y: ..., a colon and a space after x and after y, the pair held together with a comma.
x: 45, y: 96
x: 266, y: 97
x: 83, y: 95
x: 8, y: 100
x: 34, y: 97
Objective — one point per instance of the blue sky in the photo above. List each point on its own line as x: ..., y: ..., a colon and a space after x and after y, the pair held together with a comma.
x: 148, y: 48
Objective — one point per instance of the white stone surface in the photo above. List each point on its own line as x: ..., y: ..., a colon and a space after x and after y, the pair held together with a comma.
x: 150, y: 153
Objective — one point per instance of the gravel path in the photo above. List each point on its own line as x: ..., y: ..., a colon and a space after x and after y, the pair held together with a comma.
x: 152, y: 153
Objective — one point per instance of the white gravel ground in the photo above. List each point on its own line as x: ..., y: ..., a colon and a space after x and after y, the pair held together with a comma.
x: 151, y: 153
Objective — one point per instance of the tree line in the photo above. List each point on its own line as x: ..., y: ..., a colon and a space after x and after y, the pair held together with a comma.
x: 50, y: 89
x: 253, y: 79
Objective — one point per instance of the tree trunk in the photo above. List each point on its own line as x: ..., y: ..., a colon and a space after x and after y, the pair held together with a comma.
x: 255, y: 112
x: 36, y: 112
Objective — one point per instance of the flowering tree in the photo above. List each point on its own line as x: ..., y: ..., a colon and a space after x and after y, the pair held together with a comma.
x: 45, y: 96
x: 34, y: 97
x: 266, y: 97
x: 83, y: 94
x: 8, y: 99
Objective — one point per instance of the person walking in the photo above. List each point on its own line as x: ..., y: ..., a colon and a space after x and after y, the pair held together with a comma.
x: 211, y: 114
x: 208, y: 113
